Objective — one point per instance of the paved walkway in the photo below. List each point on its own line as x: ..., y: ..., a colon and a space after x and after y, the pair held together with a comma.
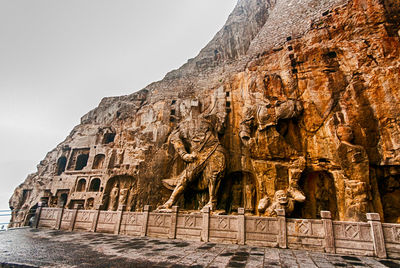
x: 51, y: 248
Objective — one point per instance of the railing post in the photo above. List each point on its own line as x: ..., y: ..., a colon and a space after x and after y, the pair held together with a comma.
x: 206, y: 224
x: 174, y: 222
x: 59, y: 218
x: 241, y: 226
x: 146, y: 213
x: 73, y: 218
x: 120, y: 212
x: 377, y: 234
x: 282, y: 233
x: 326, y: 217
x: 95, y: 219
x: 37, y: 215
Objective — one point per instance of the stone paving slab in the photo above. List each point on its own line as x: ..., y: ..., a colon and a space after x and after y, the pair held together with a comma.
x: 50, y: 248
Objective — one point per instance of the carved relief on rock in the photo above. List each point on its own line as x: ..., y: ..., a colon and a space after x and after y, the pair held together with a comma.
x: 196, y: 142
x: 274, y: 152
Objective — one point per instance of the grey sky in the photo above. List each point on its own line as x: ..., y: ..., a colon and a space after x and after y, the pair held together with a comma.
x: 59, y: 58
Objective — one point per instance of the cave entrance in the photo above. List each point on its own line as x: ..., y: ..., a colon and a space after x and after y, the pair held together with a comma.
x: 320, y: 191
x: 61, y: 164
x: 29, y: 218
x: 81, y: 161
x: 389, y: 189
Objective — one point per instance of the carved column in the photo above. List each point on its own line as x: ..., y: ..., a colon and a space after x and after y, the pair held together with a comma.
x: 73, y: 218
x: 120, y: 212
x: 95, y: 219
x: 59, y: 218
x: 326, y: 217
x: 377, y: 234
x: 37, y: 216
x: 174, y: 221
x: 282, y: 233
x: 206, y: 224
x: 146, y: 213
x: 241, y: 227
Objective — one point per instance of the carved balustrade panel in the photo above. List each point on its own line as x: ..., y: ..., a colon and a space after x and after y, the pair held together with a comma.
x: 353, y: 238
x: 48, y: 217
x: 261, y: 231
x: 391, y: 234
x: 159, y: 224
x: 305, y: 234
x: 189, y: 226
x: 131, y: 223
x: 223, y: 228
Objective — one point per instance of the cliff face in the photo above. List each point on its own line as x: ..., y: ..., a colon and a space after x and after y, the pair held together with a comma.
x: 293, y: 104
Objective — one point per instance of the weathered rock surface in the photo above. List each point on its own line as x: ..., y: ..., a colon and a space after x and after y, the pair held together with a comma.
x: 293, y: 104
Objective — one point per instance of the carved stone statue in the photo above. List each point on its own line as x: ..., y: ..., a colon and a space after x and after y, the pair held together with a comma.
x: 204, y: 155
x: 123, y: 196
x: 355, y: 164
x: 249, y: 193
x: 282, y: 200
x: 113, y: 199
x: 131, y: 203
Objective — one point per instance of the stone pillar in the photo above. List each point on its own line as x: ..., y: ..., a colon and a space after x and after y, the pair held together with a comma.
x: 377, y: 234
x: 120, y: 212
x: 59, y: 218
x: 37, y: 215
x: 326, y: 217
x: 206, y: 224
x: 73, y: 218
x: 174, y: 221
x: 282, y: 233
x: 241, y: 227
x: 146, y: 213
x: 95, y: 219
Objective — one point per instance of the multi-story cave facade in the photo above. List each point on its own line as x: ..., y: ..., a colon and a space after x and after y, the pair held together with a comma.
x: 264, y: 118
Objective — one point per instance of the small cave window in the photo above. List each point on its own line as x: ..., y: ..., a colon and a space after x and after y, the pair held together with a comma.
x: 81, y: 185
x: 63, y: 200
x: 61, y: 164
x: 108, y: 138
x: 95, y: 185
x: 81, y: 161
x: 98, y: 161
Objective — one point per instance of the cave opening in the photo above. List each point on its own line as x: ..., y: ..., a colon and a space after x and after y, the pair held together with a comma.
x: 81, y: 161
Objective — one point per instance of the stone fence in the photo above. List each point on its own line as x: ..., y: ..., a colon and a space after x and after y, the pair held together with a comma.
x: 371, y: 238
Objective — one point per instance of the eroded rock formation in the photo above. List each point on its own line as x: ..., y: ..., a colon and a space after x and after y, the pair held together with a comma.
x: 293, y: 104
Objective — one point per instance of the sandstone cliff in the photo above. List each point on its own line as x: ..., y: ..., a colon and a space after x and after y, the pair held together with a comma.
x: 302, y: 97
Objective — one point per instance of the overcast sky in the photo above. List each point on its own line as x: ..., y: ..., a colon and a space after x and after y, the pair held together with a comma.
x: 59, y: 58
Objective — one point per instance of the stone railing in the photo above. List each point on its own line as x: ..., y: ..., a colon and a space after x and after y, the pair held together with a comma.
x: 370, y: 238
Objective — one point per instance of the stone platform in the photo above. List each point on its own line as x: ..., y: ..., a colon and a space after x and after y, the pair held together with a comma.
x: 49, y: 248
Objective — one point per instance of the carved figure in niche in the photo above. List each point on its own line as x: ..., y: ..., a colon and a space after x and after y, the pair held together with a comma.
x: 90, y: 203
x: 249, y: 198
x: 113, y: 200
x: 196, y: 142
x: 236, y: 195
x: 131, y: 202
x: 123, y: 196
x: 391, y: 195
x: 355, y: 164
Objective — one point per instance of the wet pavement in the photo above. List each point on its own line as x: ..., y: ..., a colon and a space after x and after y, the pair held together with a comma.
x: 49, y: 248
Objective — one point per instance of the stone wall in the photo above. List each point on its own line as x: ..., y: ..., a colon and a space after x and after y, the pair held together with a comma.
x: 369, y: 239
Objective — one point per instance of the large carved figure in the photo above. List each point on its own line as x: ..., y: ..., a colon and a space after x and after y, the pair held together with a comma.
x: 204, y: 155
x: 263, y: 132
x: 355, y: 165
x: 113, y: 199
